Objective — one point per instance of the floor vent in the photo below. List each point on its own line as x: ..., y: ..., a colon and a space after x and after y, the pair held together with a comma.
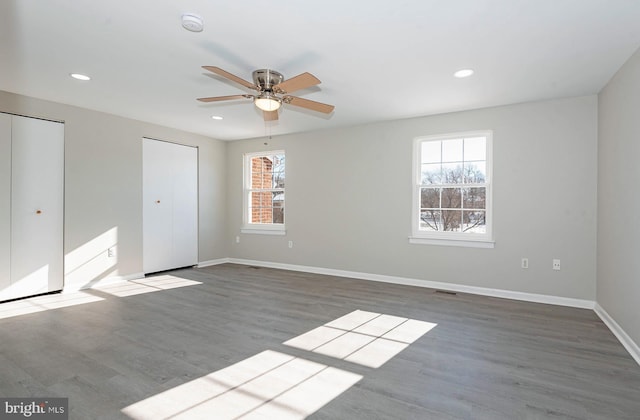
x: 446, y: 292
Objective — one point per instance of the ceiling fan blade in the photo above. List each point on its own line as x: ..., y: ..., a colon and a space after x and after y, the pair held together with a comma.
x: 270, y: 115
x: 223, y: 98
x: 223, y: 73
x: 298, y: 82
x: 309, y: 104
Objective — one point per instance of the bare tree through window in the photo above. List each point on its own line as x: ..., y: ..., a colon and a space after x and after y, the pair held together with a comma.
x: 453, y: 189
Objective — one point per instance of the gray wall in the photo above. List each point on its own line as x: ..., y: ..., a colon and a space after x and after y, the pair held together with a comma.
x: 618, y: 278
x: 348, y: 200
x: 349, y: 194
x: 103, y: 184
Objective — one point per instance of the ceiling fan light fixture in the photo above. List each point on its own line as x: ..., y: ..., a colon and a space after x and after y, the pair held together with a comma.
x: 268, y: 102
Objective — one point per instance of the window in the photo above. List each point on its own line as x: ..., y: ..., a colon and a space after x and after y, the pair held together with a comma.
x: 452, y: 190
x: 264, y: 192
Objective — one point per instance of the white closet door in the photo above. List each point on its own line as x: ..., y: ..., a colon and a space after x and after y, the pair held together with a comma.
x: 37, y: 188
x: 185, y: 205
x: 170, y: 205
x: 156, y: 207
x: 5, y: 203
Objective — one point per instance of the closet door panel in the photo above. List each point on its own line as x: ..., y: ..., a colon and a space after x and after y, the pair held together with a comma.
x: 156, y: 206
x: 185, y: 208
x: 5, y: 204
x: 37, y: 206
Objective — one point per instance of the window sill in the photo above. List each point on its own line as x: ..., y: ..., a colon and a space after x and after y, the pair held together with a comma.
x: 451, y: 242
x: 259, y: 231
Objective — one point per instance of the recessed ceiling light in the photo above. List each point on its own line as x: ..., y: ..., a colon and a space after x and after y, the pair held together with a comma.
x: 216, y: 117
x: 79, y: 76
x: 463, y: 73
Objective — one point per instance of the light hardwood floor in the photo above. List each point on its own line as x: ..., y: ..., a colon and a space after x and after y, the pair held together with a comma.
x: 487, y: 358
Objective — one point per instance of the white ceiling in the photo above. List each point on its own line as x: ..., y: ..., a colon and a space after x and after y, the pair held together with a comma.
x: 377, y: 59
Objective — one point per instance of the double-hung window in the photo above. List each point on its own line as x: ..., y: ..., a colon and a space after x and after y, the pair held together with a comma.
x: 264, y: 178
x: 452, y: 190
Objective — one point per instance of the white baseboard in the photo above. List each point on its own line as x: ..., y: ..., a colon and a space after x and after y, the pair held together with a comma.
x: 620, y: 334
x: 213, y: 262
x: 484, y: 291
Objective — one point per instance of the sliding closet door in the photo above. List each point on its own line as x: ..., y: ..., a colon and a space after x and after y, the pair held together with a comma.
x: 37, y: 184
x: 5, y: 203
x: 170, y: 205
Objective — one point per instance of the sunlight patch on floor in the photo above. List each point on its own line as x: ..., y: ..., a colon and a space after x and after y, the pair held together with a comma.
x: 62, y: 300
x: 146, y: 285
x: 366, y: 338
x: 269, y: 385
x: 44, y: 303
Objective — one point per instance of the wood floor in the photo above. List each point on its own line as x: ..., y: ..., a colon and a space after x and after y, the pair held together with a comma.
x: 487, y: 358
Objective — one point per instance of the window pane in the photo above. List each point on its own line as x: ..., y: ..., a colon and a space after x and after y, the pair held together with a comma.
x: 262, y: 207
x: 474, y: 222
x: 278, y: 213
x: 451, y: 220
x: 475, y: 148
x: 451, y: 198
x: 475, y: 198
x: 256, y: 164
x: 475, y: 172
x: 278, y: 207
x: 278, y: 171
x: 430, y: 220
x: 452, y: 173
x: 431, y: 173
x: 452, y: 150
x: 257, y: 176
x: 431, y: 152
x: 278, y: 180
x: 266, y: 215
x: 265, y: 199
x: 430, y: 198
x: 278, y: 163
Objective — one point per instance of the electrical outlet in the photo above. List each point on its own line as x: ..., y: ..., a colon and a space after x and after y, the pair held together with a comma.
x: 111, y: 252
x: 524, y: 263
x: 290, y: 244
x: 556, y: 264
x: 237, y: 239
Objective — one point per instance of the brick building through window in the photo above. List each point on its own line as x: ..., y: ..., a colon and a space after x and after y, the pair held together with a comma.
x: 261, y: 201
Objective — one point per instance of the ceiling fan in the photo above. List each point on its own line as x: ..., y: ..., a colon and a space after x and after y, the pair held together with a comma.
x: 272, y: 91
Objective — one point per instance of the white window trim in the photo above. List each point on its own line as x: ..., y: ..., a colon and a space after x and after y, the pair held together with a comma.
x: 258, y: 228
x: 452, y: 242
x: 474, y: 240
x: 264, y: 230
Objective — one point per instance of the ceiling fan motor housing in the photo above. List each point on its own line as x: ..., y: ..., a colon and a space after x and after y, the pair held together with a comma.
x: 267, y: 79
